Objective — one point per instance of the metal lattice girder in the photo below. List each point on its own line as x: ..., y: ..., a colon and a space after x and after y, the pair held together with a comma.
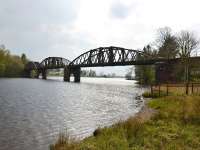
x: 107, y: 56
x: 54, y: 63
x: 102, y: 56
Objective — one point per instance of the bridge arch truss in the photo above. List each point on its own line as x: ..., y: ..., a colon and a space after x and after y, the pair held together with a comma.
x: 107, y: 56
x: 54, y: 63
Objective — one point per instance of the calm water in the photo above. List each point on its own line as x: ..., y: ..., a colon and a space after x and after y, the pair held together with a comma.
x: 33, y: 111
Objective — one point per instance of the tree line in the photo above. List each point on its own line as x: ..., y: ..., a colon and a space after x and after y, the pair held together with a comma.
x: 92, y: 73
x: 11, y: 65
x: 169, y: 45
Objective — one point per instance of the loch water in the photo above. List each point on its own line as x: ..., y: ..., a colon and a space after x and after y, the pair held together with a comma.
x: 34, y: 111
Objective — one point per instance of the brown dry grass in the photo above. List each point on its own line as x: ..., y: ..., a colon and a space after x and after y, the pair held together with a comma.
x: 178, y: 89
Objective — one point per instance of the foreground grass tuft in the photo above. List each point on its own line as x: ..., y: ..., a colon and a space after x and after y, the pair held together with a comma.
x: 176, y: 125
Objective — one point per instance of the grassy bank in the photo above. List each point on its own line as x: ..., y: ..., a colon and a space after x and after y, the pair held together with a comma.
x: 175, y: 125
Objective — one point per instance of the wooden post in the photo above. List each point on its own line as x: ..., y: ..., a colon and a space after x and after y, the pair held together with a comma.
x: 167, y: 90
x: 159, y: 89
x: 186, y: 91
x: 192, y: 88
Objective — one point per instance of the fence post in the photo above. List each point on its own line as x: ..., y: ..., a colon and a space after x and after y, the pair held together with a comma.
x: 186, y: 88
x: 192, y: 88
x: 167, y: 90
x: 159, y: 89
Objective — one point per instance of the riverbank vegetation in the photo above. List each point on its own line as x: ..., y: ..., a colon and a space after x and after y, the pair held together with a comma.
x: 174, y: 124
x: 11, y: 65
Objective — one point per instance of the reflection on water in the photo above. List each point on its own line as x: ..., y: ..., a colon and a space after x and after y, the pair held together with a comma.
x: 33, y: 111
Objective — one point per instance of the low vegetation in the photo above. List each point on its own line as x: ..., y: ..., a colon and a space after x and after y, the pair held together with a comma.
x: 175, y: 125
x: 11, y: 65
x: 154, y: 95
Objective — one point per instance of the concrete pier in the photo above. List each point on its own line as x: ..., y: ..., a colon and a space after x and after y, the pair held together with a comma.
x: 76, y: 71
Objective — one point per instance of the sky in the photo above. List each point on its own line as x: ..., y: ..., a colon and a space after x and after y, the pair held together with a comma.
x: 67, y: 28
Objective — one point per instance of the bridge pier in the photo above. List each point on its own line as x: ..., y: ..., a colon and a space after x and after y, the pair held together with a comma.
x: 76, y: 71
x: 44, y: 74
x: 77, y: 74
x: 67, y: 74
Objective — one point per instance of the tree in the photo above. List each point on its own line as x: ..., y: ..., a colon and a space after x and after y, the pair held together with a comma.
x: 149, y: 52
x: 10, y: 65
x: 24, y: 59
x: 167, y: 44
x: 92, y: 73
x: 113, y: 75
x: 83, y: 73
x: 146, y: 74
x: 162, y: 35
x: 187, y: 43
x: 88, y: 73
x: 2, y: 70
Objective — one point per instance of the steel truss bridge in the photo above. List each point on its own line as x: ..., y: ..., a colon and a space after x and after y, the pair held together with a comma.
x: 102, y: 56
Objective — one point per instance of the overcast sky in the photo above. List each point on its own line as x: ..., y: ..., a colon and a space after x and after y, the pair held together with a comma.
x: 67, y: 28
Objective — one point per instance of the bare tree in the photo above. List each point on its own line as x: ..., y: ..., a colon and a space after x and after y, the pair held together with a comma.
x: 187, y: 43
x: 167, y: 44
x: 162, y: 35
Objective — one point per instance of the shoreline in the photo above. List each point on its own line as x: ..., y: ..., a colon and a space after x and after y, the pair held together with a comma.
x: 145, y: 113
x: 170, y: 122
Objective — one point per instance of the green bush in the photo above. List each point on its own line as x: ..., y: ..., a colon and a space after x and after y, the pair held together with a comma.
x: 10, y: 65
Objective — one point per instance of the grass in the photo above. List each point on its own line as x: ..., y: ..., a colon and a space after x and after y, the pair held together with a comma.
x: 154, y: 95
x: 175, y: 125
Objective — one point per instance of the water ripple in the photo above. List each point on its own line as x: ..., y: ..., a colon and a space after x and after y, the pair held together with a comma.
x: 34, y: 112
